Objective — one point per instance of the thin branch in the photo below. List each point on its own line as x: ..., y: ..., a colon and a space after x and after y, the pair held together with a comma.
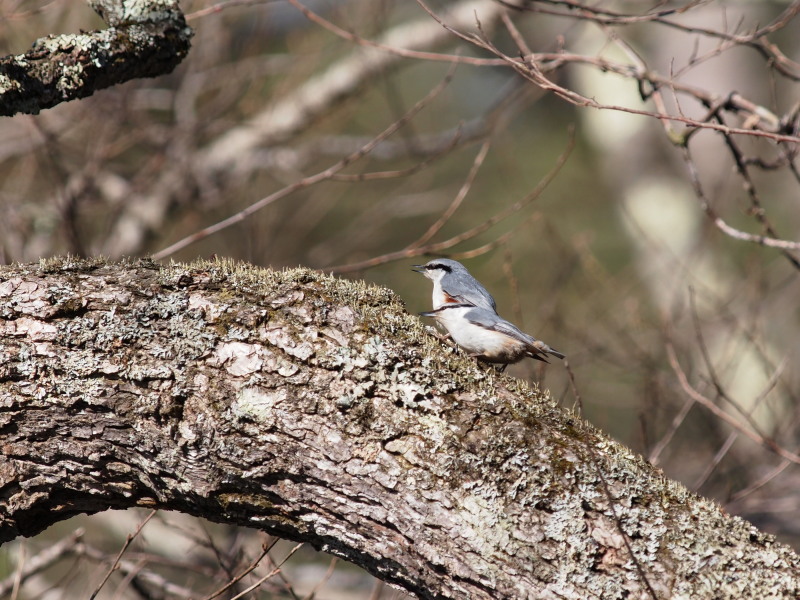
x: 220, y: 6
x: 18, y: 572
x: 377, y: 590
x: 287, y: 585
x: 115, y: 564
x: 488, y: 247
x: 130, y: 578
x: 455, y: 140
x: 773, y: 381
x: 740, y: 495
x: 712, y: 372
x: 677, y: 421
x: 761, y: 240
x: 769, y: 51
x: 307, y: 181
x: 265, y: 548
x: 151, y: 578
x: 572, y: 383
x: 513, y: 285
x: 313, y: 593
x: 268, y: 575
x: 531, y: 59
x: 722, y: 414
x: 529, y: 68
x: 432, y: 248
x: 401, y: 52
x: 758, y: 209
x: 288, y: 115
x: 462, y: 193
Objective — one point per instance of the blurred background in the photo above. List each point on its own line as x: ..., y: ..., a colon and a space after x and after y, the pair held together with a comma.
x: 366, y: 137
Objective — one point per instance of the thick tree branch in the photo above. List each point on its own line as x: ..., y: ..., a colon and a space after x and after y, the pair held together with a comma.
x: 145, y: 39
x: 317, y: 409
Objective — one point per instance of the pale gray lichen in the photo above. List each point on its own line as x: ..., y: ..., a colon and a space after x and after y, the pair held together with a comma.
x: 258, y: 403
x: 7, y: 84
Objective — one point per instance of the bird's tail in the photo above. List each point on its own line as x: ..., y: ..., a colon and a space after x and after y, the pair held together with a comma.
x: 539, y: 350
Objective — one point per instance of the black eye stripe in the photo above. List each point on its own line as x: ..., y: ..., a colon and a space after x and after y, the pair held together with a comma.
x: 442, y: 267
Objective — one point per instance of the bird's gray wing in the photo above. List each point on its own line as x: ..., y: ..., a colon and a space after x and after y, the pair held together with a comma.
x: 470, y: 291
x: 494, y: 322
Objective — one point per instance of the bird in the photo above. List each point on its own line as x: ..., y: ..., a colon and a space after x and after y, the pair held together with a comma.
x: 469, y: 314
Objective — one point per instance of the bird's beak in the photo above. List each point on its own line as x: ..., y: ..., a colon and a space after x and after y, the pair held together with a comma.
x: 418, y: 268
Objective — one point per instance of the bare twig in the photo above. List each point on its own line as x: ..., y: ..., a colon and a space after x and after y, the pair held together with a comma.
x: 529, y: 68
x: 757, y: 485
x: 712, y: 372
x: 128, y: 567
x: 773, y: 380
x: 313, y: 593
x: 582, y: 11
x: 431, y: 248
x: 268, y: 575
x: 513, y: 284
x: 265, y: 548
x: 377, y: 590
x: 18, y: 572
x: 307, y: 181
x: 677, y: 421
x: 386, y: 47
x: 720, y: 224
x: 115, y: 564
x: 462, y: 193
x: 578, y: 405
x: 220, y: 6
x: 722, y: 414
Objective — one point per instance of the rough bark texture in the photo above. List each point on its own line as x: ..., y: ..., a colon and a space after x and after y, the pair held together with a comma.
x: 319, y: 410
x: 147, y: 38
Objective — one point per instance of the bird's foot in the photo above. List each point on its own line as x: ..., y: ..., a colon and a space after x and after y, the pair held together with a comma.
x: 495, y: 366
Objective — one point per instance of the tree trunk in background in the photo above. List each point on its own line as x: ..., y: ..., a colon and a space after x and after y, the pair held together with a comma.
x: 317, y: 409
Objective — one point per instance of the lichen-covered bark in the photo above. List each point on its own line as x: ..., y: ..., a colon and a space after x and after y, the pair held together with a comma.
x: 146, y: 38
x: 319, y: 410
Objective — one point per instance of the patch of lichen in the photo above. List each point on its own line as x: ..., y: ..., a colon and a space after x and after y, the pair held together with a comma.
x: 248, y: 279
x: 56, y: 264
x: 60, y: 264
x: 69, y: 263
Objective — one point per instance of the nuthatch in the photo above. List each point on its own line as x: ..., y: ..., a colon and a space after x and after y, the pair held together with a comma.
x: 469, y: 314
